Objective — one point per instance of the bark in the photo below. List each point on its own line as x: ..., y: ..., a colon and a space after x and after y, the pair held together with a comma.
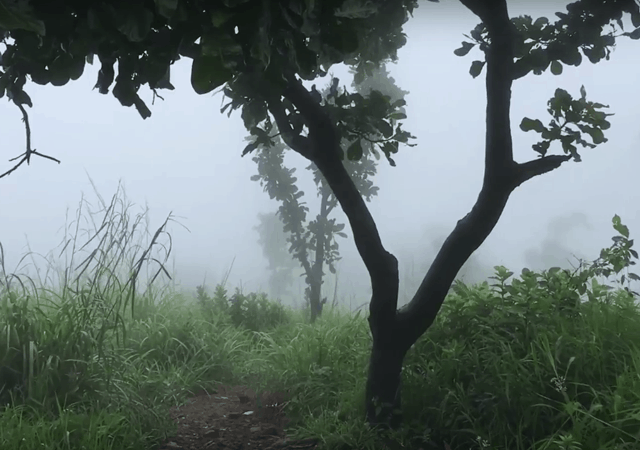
x: 395, y: 331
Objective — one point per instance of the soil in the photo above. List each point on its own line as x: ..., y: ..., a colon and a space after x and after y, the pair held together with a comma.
x: 230, y: 419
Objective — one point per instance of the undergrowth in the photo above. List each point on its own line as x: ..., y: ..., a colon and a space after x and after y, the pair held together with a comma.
x: 94, y: 358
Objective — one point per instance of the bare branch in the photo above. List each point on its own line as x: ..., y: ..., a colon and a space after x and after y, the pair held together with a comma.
x: 26, y: 156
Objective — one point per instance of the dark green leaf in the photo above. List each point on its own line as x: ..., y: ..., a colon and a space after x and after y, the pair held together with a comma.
x: 17, y: 15
x: 635, y: 34
x: 397, y: 116
x: 249, y: 148
x: 354, y: 152
x: 530, y: 124
x: 134, y: 23
x: 166, y: 8
x: 466, y: 46
x: 540, y: 22
x: 208, y: 73
x: 385, y: 128
x: 476, y: 68
x: 219, y: 17
x: 20, y: 97
x: 141, y: 107
x: 556, y: 67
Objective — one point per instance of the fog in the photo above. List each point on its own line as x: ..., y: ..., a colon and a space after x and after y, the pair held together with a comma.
x: 185, y: 159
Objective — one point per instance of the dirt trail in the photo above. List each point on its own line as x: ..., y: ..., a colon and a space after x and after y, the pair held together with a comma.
x: 229, y: 419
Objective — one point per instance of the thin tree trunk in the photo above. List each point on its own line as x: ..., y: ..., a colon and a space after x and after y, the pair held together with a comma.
x: 316, y: 278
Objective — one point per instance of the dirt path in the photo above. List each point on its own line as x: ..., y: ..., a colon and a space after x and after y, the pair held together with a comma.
x: 229, y: 419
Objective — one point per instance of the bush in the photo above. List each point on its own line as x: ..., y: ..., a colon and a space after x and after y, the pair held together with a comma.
x: 253, y: 312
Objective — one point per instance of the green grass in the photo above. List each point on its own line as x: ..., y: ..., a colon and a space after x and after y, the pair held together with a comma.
x: 521, y: 364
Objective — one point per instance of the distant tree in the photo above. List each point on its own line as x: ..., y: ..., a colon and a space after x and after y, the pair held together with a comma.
x: 313, y: 243
x: 274, y: 248
x: 261, y: 51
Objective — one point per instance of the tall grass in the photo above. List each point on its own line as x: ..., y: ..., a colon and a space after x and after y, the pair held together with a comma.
x: 93, y: 355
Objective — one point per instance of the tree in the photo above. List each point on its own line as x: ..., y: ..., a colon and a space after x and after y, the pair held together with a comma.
x: 313, y: 244
x: 274, y: 247
x: 260, y: 52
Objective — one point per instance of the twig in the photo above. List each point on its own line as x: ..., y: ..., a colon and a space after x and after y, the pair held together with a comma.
x: 26, y: 156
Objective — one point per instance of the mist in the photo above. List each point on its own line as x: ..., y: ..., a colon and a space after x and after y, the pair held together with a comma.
x: 185, y: 161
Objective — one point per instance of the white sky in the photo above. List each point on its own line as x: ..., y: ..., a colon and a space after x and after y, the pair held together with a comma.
x: 186, y: 159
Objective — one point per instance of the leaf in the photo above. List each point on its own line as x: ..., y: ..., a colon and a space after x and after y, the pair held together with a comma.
x: 17, y: 15
x: 354, y: 152
x: 619, y: 227
x: 635, y: 17
x: 134, y: 23
x: 255, y: 177
x: 635, y: 34
x: 556, y: 67
x: 476, y: 68
x: 385, y: 128
x: 397, y: 116
x: 466, y: 47
x: 540, y: 22
x: 248, y: 149
x: 20, y: 98
x: 597, y: 135
x: 220, y: 17
x: 166, y: 8
x: 530, y: 124
x: 208, y: 73
x: 343, y: 38
x: 142, y: 108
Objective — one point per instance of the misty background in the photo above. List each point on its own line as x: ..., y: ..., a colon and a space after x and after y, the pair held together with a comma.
x: 185, y: 159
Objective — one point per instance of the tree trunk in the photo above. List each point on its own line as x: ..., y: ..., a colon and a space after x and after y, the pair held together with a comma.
x: 315, y: 304
x: 383, y: 403
x: 395, y: 331
x: 315, y: 279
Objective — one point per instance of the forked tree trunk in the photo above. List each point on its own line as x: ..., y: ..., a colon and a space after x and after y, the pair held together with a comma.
x: 395, y: 330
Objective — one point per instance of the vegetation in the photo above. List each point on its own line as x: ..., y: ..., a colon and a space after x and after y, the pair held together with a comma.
x: 260, y: 52
x: 543, y: 361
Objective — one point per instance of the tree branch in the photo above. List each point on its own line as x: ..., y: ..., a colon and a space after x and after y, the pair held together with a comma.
x: 298, y: 143
x: 326, y: 153
x: 26, y: 156
x: 530, y: 169
x: 502, y: 174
